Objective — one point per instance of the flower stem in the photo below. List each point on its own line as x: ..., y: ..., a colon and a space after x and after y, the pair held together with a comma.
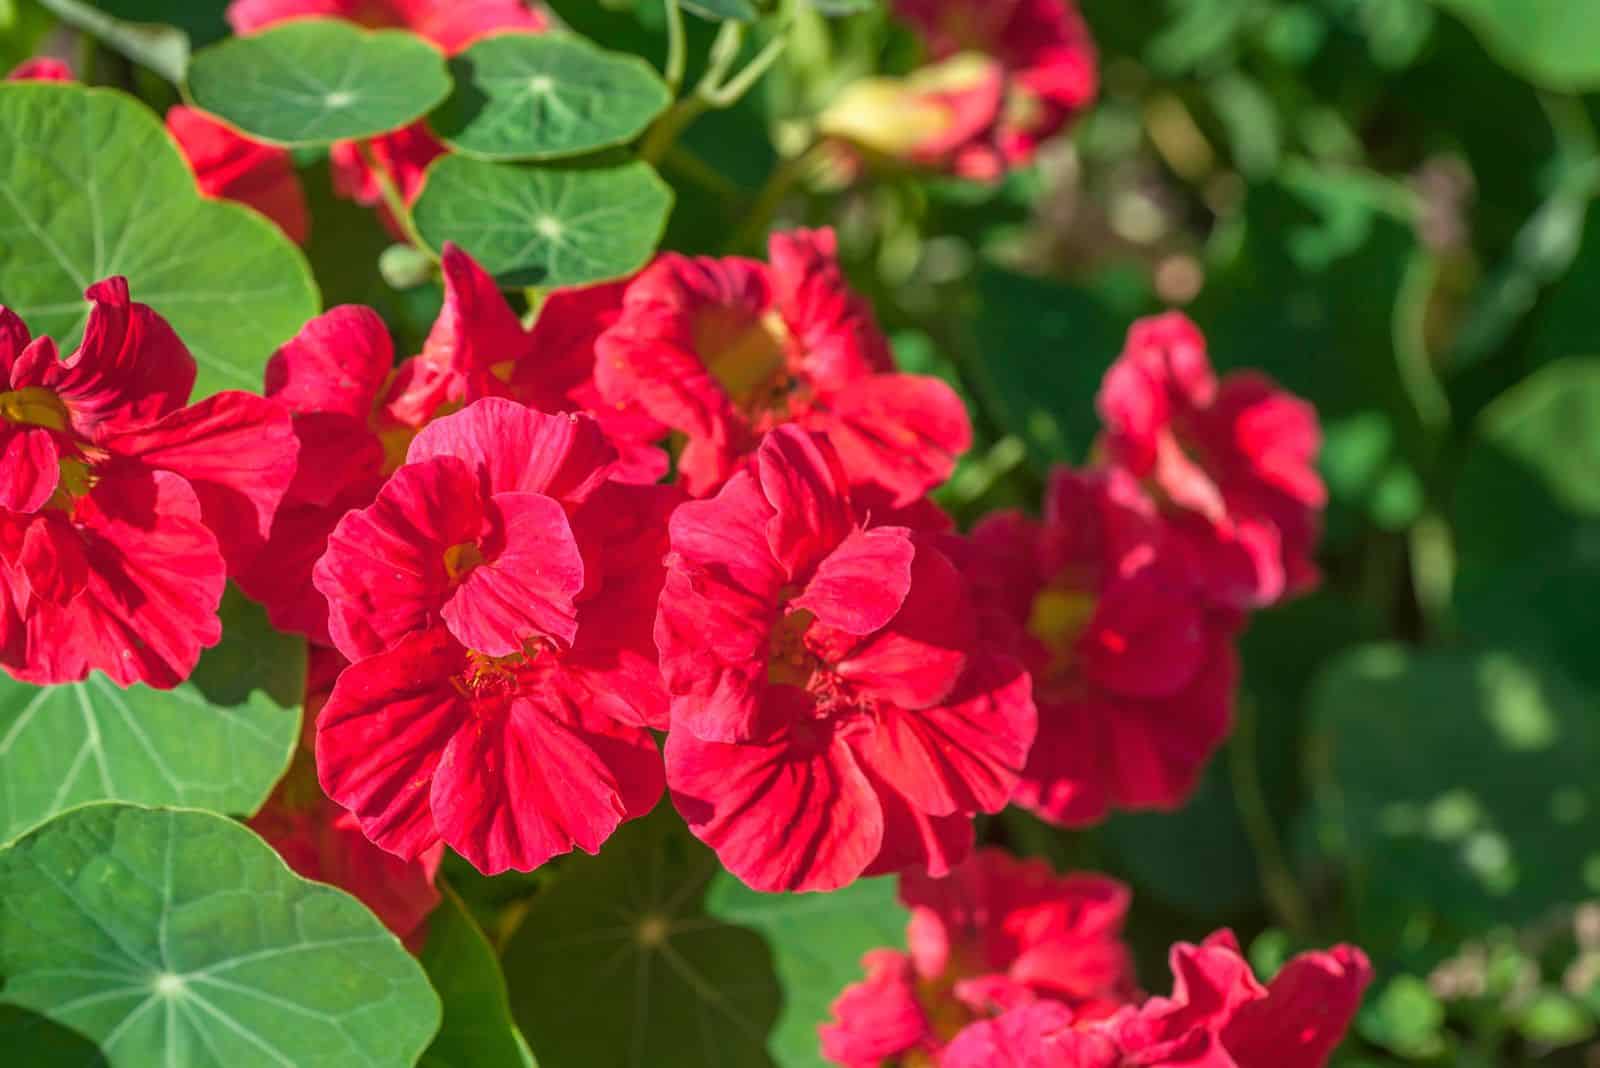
x: 1284, y: 895
x: 716, y: 89
x: 677, y: 47
x: 771, y: 196
x: 392, y: 197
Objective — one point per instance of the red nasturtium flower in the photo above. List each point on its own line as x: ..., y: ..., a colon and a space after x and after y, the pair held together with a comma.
x: 1133, y: 669
x: 452, y: 25
x: 1219, y: 1016
x: 500, y: 591
x: 996, y: 934
x: 322, y: 841
x: 42, y: 69
x: 1003, y: 76
x: 355, y: 413
x: 122, y: 507
x: 832, y: 711
x: 725, y: 349
x: 1230, y: 463
x: 229, y: 166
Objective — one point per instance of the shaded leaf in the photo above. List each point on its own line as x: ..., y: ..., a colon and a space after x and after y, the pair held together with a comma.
x: 722, y: 10
x: 315, y: 81
x: 179, y: 937
x: 164, y: 49
x: 1553, y: 42
x: 92, y: 186
x: 477, y: 1031
x: 546, y: 226
x: 619, y: 964
x: 543, y: 96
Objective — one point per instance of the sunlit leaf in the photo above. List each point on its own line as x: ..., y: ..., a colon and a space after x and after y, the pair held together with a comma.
x: 179, y: 937
x: 220, y: 741
x: 313, y: 81
x: 92, y: 186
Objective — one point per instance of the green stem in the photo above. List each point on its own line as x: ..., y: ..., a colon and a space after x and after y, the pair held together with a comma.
x: 729, y: 93
x: 770, y: 198
x: 1409, y: 333
x: 677, y: 47
x: 669, y: 127
x: 1283, y: 892
x: 393, y: 198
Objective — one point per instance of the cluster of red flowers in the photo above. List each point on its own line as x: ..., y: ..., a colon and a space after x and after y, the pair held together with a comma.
x: 1011, y: 966
x: 482, y: 533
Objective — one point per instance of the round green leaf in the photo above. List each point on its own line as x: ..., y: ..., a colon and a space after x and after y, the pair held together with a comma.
x: 817, y: 941
x: 1555, y: 43
x: 1463, y: 780
x: 180, y: 938
x: 525, y: 96
x: 314, y: 81
x: 92, y: 186
x: 477, y: 1031
x: 220, y: 741
x: 546, y: 226
x: 618, y: 964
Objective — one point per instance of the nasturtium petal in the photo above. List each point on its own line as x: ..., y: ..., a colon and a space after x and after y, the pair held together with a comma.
x: 722, y: 10
x: 179, y: 937
x: 546, y: 226
x: 817, y: 941
x: 617, y: 963
x: 315, y: 81
x: 219, y: 742
x: 521, y: 96
x: 477, y: 1031
x: 91, y: 185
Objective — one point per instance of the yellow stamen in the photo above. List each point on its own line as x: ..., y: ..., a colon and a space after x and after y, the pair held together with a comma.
x: 34, y: 406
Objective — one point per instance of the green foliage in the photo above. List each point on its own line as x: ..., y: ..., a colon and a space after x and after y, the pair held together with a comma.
x: 817, y: 942
x: 179, y: 937
x: 720, y: 10
x: 315, y: 81
x: 477, y: 1031
x: 620, y: 963
x: 96, y: 188
x: 526, y: 97
x: 546, y: 226
x: 1553, y: 42
x: 218, y: 742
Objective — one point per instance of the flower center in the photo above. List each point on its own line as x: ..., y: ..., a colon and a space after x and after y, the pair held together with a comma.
x: 34, y: 406
x: 746, y: 354
x: 459, y: 560
x: 1057, y: 619
x: 789, y: 662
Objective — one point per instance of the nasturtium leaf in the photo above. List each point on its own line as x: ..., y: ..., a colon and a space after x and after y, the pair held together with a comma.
x: 1456, y: 778
x: 314, y: 81
x: 1554, y: 43
x: 92, y: 186
x: 618, y: 963
x: 477, y: 1031
x: 219, y: 742
x: 1527, y: 518
x: 177, y: 937
x: 522, y: 96
x: 817, y: 941
x: 722, y: 10
x: 546, y: 226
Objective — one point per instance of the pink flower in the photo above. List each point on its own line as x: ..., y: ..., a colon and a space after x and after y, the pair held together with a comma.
x: 122, y: 510
x: 997, y: 933
x: 1002, y: 77
x: 1133, y: 670
x: 1231, y: 464
x: 322, y: 841
x: 1045, y: 51
x: 725, y: 350
x: 42, y: 69
x: 229, y: 166
x: 450, y: 24
x: 832, y: 713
